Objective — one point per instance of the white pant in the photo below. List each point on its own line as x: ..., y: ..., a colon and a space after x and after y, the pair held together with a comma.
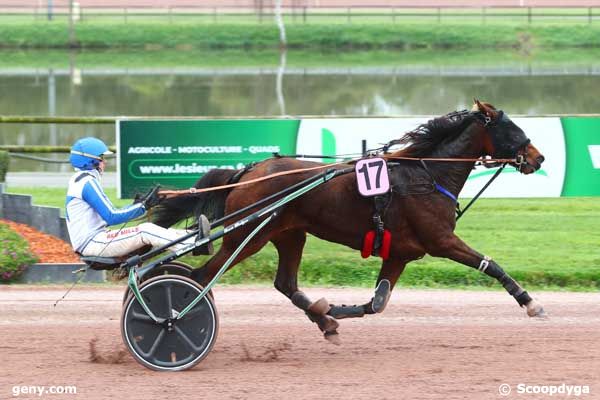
x: 115, y: 243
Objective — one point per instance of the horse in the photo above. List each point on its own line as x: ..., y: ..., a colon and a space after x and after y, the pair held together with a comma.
x: 420, y: 221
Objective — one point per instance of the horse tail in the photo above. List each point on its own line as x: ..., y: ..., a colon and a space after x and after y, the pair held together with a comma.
x: 211, y: 204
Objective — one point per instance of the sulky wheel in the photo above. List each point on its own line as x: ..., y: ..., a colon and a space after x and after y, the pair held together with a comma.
x: 173, y: 345
x: 170, y: 268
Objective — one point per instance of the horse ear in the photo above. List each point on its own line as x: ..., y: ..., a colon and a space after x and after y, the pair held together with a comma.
x: 477, y: 106
x: 484, y: 108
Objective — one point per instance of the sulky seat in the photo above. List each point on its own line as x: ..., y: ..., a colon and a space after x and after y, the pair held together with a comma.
x: 109, y: 263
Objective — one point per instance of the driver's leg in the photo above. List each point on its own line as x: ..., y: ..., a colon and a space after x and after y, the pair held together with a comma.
x: 114, y: 243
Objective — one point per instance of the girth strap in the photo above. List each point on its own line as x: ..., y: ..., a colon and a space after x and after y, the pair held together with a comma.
x: 381, y: 202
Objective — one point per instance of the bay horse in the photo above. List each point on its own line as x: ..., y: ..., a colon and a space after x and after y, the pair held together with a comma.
x: 420, y: 221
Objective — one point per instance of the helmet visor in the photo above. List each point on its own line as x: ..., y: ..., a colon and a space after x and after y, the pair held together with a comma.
x: 99, y: 157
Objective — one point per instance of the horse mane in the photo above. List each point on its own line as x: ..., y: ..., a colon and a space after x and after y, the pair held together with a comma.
x: 427, y: 137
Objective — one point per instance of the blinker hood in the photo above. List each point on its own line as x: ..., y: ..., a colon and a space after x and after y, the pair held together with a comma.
x: 507, y: 137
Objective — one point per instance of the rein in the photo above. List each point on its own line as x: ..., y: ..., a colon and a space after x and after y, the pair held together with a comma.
x: 482, y: 160
x: 192, y: 190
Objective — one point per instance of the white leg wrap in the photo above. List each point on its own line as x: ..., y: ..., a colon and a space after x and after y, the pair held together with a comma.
x: 484, y: 263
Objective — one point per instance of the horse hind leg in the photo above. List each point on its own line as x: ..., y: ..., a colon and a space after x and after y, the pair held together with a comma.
x: 317, y: 312
x: 289, y: 245
x: 391, y: 270
x: 204, y: 274
x: 207, y: 272
x: 376, y: 305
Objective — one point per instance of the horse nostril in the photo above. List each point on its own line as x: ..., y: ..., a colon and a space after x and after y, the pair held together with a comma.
x: 540, y: 159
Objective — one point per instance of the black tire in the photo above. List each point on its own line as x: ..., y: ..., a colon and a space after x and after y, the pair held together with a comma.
x: 190, y: 339
x: 170, y: 268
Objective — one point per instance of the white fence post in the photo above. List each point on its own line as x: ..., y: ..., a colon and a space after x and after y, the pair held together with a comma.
x: 279, y: 20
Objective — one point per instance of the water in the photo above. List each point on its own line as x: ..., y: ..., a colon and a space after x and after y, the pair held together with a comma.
x: 396, y: 85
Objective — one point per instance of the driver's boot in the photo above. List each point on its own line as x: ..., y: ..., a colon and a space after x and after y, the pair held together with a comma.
x: 203, y: 231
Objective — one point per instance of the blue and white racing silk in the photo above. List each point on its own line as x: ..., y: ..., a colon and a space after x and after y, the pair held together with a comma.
x: 89, y: 211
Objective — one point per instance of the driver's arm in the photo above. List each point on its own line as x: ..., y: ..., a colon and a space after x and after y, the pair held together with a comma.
x: 95, y: 197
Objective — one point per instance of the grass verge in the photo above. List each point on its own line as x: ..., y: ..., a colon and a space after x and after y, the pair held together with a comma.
x: 299, y: 58
x: 185, y: 36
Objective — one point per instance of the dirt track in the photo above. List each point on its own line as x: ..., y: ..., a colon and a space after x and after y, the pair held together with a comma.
x: 426, y: 345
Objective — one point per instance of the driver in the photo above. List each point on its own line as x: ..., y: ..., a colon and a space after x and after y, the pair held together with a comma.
x: 89, y: 211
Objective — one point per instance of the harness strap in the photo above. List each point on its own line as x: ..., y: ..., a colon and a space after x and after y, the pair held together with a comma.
x: 445, y: 192
x: 329, y: 157
x: 459, y: 212
x: 480, y: 159
x: 439, y: 187
x: 381, y: 203
x: 238, y: 175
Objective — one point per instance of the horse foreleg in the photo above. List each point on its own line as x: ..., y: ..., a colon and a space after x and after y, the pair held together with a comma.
x: 391, y: 269
x: 455, y: 249
x: 289, y: 245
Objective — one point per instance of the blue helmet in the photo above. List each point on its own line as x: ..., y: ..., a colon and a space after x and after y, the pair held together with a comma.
x: 87, y: 153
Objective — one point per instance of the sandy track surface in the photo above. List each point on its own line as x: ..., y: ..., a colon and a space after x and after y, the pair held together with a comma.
x: 426, y: 345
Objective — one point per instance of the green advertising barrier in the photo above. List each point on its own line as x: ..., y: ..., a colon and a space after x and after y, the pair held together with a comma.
x: 582, y: 139
x: 175, y: 153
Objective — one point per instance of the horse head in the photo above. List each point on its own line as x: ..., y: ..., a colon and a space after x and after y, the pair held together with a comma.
x: 505, y: 139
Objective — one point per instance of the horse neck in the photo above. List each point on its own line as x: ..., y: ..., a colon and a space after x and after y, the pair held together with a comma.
x: 453, y: 175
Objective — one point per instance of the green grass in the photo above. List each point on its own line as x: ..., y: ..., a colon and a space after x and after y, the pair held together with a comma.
x: 543, y: 243
x: 365, y: 35
x: 297, y: 58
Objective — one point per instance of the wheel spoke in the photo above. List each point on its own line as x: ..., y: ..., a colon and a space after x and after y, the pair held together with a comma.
x: 156, y: 343
x: 186, y: 339
x: 169, y: 299
x: 136, y: 316
x: 196, y: 311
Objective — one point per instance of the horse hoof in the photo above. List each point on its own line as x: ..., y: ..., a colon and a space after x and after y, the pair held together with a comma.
x: 382, y: 296
x: 327, y: 323
x: 333, y: 337
x: 320, y: 307
x: 535, y: 309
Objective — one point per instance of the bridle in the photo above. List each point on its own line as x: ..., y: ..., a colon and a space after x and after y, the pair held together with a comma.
x: 508, y: 150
